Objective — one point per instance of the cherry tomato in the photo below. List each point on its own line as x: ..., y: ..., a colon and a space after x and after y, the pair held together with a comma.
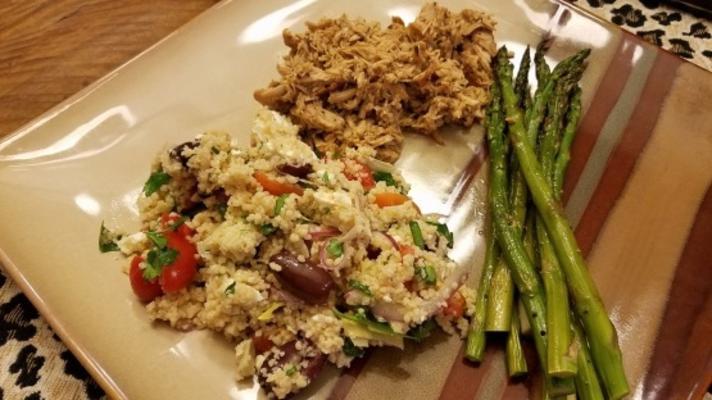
x: 361, y: 173
x: 262, y: 343
x: 405, y: 249
x: 168, y: 219
x: 275, y: 187
x: 455, y: 305
x: 144, y: 290
x: 181, y: 272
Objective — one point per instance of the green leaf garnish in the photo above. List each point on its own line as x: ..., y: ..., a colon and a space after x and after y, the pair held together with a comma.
x: 325, y: 178
x: 360, y: 286
x: 426, y: 273
x: 445, y: 232
x: 214, y: 150
x: 420, y: 332
x: 222, y: 209
x: 363, y: 318
x: 107, y: 240
x: 177, y: 223
x: 156, y: 259
x: 351, y: 350
x: 417, y: 234
x: 335, y: 248
x: 230, y: 289
x: 158, y: 239
x: 267, y: 229
x: 155, y: 181
x: 383, y: 176
x: 291, y: 370
x: 279, y: 204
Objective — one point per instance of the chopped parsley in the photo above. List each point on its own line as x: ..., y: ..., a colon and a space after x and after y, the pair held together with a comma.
x: 279, y: 204
x: 267, y: 229
x: 177, y: 223
x: 214, y: 150
x: 230, y: 289
x: 291, y: 370
x: 420, y: 332
x: 417, y: 234
x: 366, y: 320
x: 351, y: 350
x: 445, y: 232
x: 155, y: 181
x: 383, y: 176
x: 156, y: 259
x: 107, y: 240
x: 335, y: 248
x: 158, y: 239
x: 426, y: 273
x: 325, y: 178
x: 360, y: 286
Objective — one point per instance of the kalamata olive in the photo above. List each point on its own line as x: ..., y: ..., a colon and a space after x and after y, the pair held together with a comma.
x: 303, y: 279
x: 300, y: 171
x: 177, y: 152
x: 287, y: 354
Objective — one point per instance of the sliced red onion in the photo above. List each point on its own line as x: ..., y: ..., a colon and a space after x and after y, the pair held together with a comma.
x: 391, y: 239
x: 324, y: 232
x: 391, y: 312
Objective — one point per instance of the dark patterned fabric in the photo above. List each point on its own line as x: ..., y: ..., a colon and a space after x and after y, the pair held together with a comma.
x: 35, y: 365
x: 687, y: 35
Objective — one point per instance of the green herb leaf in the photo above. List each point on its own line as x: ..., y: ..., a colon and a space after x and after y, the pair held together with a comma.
x: 383, y: 176
x: 325, y: 178
x: 222, y: 209
x: 351, y: 350
x: 279, y: 204
x: 156, y: 259
x: 107, y: 240
x: 427, y: 274
x: 417, y: 234
x: 214, y: 150
x: 155, y: 181
x: 291, y: 370
x: 230, y: 289
x: 158, y: 239
x: 267, y: 229
x: 177, y: 223
x: 420, y: 332
x: 365, y: 319
x: 445, y: 232
x: 360, y: 286
x: 335, y: 248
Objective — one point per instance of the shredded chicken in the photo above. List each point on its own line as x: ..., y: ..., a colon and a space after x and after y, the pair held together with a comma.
x: 348, y: 82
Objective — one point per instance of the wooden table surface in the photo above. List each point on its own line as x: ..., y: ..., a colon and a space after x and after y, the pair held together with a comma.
x: 50, y: 49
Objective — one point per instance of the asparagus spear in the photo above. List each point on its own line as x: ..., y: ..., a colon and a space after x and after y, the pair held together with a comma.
x: 501, y: 298
x: 523, y: 272
x: 516, y: 362
x: 588, y: 304
x: 476, y: 339
x: 587, y: 385
x: 562, y: 160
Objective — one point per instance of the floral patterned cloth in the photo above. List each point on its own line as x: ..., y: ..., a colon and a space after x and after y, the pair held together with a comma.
x: 35, y: 365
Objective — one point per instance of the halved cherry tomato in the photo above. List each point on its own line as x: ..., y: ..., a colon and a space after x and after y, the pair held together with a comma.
x: 455, y: 305
x: 181, y: 272
x: 275, y: 187
x: 262, y: 343
x: 361, y: 173
x: 168, y: 219
x: 387, y: 199
x: 144, y: 290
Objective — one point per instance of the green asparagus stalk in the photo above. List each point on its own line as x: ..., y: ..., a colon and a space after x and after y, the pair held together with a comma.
x: 541, y: 67
x: 562, y: 160
x: 476, y: 340
x: 510, y: 241
x: 588, y: 304
x: 516, y: 362
x: 587, y: 385
x: 501, y: 299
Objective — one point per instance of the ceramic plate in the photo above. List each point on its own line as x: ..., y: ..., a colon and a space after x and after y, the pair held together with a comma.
x: 636, y: 192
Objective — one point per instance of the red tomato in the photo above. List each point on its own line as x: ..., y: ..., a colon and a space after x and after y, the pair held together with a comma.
x: 144, y: 290
x: 361, y: 173
x: 167, y: 220
x: 275, y: 187
x: 261, y: 343
x: 405, y: 249
x: 455, y: 305
x: 181, y: 272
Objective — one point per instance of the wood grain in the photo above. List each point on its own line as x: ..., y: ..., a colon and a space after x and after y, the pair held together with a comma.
x: 50, y: 49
